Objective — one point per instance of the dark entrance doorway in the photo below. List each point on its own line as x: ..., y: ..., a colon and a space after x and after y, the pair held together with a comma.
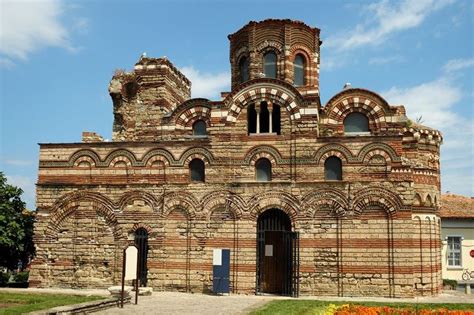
x: 141, y: 242
x: 277, y: 254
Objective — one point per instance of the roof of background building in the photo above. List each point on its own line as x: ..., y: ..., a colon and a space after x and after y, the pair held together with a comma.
x: 456, y: 206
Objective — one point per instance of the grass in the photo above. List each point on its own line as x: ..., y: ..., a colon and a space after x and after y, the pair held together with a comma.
x: 307, y: 307
x: 18, y: 303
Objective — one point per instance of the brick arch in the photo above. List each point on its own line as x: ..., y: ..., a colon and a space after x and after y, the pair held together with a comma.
x: 82, y: 154
x: 69, y: 203
x: 284, y: 201
x: 260, y: 90
x: 129, y: 196
x: 263, y: 151
x: 188, y: 107
x: 333, y: 149
x: 84, y: 159
x: 334, y: 199
x: 158, y: 154
x: 224, y: 198
x: 122, y: 155
x: 387, y: 200
x: 180, y: 200
x: 119, y: 159
x: 187, y: 118
x: 197, y: 152
x: 378, y: 148
x: 357, y: 100
x: 140, y: 225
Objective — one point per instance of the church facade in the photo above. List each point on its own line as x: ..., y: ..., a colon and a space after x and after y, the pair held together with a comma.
x: 311, y: 199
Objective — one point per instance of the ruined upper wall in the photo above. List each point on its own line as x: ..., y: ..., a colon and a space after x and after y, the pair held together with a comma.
x: 287, y: 39
x: 142, y: 97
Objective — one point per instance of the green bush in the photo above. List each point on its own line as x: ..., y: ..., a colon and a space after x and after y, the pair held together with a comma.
x: 4, y: 277
x: 21, y: 276
x: 453, y: 284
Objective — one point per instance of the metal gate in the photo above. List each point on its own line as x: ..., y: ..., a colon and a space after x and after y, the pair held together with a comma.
x: 274, y: 225
x: 141, y: 241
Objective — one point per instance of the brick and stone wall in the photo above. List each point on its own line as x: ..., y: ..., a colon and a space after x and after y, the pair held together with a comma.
x: 373, y: 233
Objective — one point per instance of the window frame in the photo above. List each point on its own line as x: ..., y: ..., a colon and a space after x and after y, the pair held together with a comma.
x: 191, y: 171
x: 325, y: 169
x: 303, y: 69
x: 194, y: 131
x: 244, y: 61
x: 270, y: 52
x: 269, y: 176
x: 448, y: 251
x: 356, y: 132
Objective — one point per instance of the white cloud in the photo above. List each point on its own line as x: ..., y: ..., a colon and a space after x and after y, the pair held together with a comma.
x: 437, y: 102
x: 27, y: 26
x: 454, y: 65
x: 385, y: 18
x: 385, y: 60
x: 432, y: 100
x: 27, y: 184
x: 207, y: 85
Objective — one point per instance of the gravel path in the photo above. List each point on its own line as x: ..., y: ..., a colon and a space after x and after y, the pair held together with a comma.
x: 186, y: 303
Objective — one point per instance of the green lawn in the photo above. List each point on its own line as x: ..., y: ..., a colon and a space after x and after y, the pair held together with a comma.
x: 311, y: 307
x: 18, y: 303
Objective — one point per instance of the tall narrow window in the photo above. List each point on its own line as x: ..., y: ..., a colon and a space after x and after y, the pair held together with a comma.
x: 244, y: 69
x: 276, y: 116
x: 333, y: 168
x: 263, y: 169
x: 196, y: 170
x: 454, y: 251
x: 356, y: 122
x: 270, y: 65
x: 199, y: 128
x: 264, y: 118
x: 251, y: 119
x: 298, y: 70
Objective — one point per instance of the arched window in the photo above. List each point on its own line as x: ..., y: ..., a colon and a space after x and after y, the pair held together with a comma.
x: 264, y: 118
x: 243, y: 69
x: 356, y: 122
x: 333, y: 168
x: 196, y: 170
x: 199, y: 128
x: 263, y: 170
x: 298, y: 70
x: 270, y: 65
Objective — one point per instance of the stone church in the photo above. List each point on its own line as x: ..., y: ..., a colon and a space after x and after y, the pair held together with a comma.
x: 335, y: 199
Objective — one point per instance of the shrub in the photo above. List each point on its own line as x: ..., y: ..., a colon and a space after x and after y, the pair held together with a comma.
x: 4, y: 277
x: 21, y: 276
x: 450, y: 283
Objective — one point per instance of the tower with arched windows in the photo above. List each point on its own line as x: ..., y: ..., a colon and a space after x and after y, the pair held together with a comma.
x: 336, y: 199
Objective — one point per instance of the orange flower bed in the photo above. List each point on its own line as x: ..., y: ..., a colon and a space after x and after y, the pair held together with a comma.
x: 385, y: 310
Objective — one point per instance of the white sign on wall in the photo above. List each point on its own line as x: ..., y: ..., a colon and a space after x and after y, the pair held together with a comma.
x: 217, y: 257
x: 131, y: 263
x: 269, y: 250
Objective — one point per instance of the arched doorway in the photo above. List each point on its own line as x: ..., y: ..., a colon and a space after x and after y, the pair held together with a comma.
x: 141, y: 242
x: 277, y: 254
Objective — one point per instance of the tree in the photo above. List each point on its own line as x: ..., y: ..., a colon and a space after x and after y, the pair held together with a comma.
x: 16, y: 227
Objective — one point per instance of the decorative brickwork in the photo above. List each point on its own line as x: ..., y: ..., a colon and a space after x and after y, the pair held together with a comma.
x: 375, y: 232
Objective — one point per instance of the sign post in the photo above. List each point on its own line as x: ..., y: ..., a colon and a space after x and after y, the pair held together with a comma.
x: 130, y: 270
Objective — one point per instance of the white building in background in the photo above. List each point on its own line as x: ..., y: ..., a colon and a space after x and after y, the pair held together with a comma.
x: 457, y: 236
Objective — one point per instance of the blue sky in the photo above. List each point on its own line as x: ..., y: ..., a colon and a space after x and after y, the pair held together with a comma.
x: 57, y: 58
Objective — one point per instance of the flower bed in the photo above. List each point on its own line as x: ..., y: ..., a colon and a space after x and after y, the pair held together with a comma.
x: 350, y: 309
